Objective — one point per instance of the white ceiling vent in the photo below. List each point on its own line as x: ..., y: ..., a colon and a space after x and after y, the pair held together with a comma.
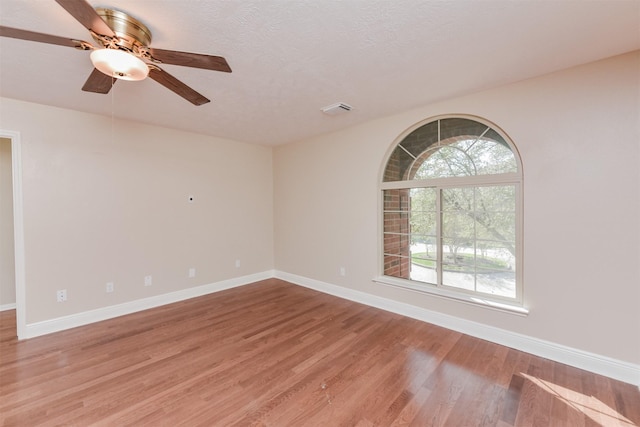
x: 336, y: 109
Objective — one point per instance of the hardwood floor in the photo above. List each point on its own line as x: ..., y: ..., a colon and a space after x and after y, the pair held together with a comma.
x: 276, y: 354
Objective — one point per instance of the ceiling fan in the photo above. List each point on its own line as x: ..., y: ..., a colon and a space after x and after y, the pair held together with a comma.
x: 123, y: 51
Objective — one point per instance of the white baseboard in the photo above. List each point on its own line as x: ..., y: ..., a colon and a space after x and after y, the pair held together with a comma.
x: 4, y: 307
x: 79, y: 319
x: 603, y: 365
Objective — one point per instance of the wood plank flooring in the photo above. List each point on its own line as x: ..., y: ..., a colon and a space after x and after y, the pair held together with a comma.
x: 275, y: 354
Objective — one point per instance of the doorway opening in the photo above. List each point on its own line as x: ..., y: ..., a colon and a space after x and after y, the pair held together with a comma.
x: 12, y: 284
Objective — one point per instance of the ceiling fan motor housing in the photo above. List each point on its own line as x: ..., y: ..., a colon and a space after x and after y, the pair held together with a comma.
x: 132, y: 34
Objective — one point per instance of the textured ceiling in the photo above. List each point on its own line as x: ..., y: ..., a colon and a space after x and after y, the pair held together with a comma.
x: 290, y: 58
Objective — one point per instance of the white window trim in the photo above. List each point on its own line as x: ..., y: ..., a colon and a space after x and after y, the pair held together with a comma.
x: 514, y: 306
x: 441, y: 292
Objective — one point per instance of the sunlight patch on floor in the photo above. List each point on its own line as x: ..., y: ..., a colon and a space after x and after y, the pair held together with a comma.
x: 590, y: 406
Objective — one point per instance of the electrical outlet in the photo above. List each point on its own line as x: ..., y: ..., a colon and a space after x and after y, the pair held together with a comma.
x: 61, y: 295
x: 192, y: 272
x: 109, y: 287
x: 148, y: 280
x: 343, y: 271
x: 237, y: 263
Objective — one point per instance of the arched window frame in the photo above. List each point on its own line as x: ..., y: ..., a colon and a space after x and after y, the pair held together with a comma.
x: 515, y: 304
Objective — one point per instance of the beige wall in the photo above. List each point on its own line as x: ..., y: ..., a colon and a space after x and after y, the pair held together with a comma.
x: 7, y: 267
x: 578, y: 134
x: 110, y: 203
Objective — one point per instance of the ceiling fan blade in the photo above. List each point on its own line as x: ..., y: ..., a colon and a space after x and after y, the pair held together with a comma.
x: 175, y: 85
x: 98, y: 82
x: 87, y: 16
x: 195, y: 60
x: 17, y: 33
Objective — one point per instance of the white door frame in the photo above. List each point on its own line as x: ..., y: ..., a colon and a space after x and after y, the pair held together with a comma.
x: 18, y: 230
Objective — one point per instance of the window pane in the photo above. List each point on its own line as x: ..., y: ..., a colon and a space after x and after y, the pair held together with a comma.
x: 396, y: 200
x: 495, y: 136
x: 397, y: 266
x: 423, y: 211
x: 423, y: 271
x: 495, y: 256
x: 424, y: 251
x: 397, y: 165
x: 495, y: 226
x: 396, y: 244
x: 396, y: 222
x: 447, y: 161
x: 495, y: 213
x: 459, y: 227
x: 498, y: 198
x: 423, y: 259
x: 423, y: 199
x: 492, y: 282
x: 460, y: 274
x: 455, y: 199
x: 457, y: 127
x: 421, y: 139
x: 467, y: 157
x: 458, y: 269
x: 423, y: 234
x: 489, y: 157
x: 423, y: 223
x: 457, y: 254
x: 397, y: 239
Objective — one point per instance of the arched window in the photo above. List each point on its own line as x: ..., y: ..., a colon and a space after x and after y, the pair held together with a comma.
x: 451, y: 194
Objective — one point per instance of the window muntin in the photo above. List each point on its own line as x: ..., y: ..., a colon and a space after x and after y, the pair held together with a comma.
x: 451, y: 210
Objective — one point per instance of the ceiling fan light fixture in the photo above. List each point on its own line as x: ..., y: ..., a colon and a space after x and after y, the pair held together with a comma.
x: 119, y: 64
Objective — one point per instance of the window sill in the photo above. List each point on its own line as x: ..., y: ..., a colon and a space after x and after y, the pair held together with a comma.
x: 476, y: 300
